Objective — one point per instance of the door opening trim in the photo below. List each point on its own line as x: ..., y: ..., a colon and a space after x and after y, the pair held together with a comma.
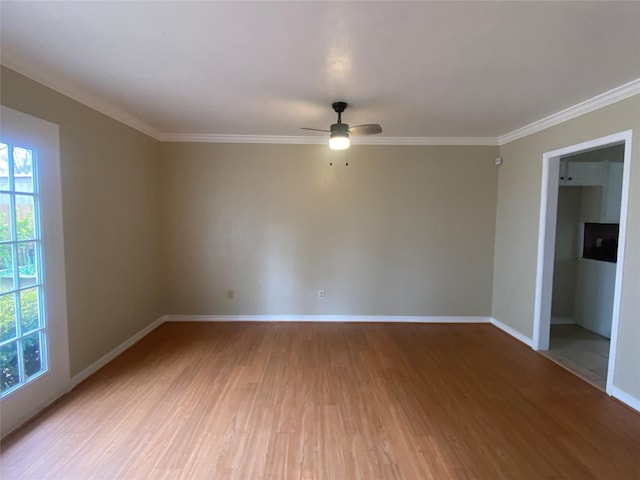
x: 546, y: 241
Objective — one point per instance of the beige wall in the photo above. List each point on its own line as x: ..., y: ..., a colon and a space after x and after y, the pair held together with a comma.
x: 400, y: 231
x: 517, y: 229
x: 110, y: 208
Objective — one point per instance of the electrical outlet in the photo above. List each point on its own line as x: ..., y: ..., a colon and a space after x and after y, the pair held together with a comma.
x: 131, y: 312
x: 321, y: 294
x: 229, y: 294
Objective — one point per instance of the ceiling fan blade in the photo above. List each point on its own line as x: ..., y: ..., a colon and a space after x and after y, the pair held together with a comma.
x: 368, y: 129
x: 315, y: 129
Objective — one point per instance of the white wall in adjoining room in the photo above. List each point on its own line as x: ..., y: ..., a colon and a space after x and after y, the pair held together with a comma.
x: 583, y: 289
x: 566, y: 253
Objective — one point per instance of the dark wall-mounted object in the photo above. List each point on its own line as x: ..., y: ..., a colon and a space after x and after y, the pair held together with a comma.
x: 601, y: 241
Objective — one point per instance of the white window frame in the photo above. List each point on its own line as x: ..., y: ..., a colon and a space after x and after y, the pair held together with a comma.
x: 12, y: 192
x: 20, y: 129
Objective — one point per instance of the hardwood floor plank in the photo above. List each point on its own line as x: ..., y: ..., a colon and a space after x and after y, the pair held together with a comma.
x: 255, y: 401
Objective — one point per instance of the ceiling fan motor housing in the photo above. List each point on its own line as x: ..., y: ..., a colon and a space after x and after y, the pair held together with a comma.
x: 339, y: 130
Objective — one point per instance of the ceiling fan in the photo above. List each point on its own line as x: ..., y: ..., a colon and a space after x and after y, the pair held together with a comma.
x: 339, y: 138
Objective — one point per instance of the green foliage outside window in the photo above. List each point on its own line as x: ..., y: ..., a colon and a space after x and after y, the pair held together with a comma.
x: 25, y: 263
x: 31, y: 344
x: 24, y: 230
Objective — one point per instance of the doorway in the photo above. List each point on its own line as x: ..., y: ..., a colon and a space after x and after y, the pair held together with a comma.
x: 578, y: 192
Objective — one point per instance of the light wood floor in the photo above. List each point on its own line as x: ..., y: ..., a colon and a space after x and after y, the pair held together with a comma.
x: 328, y: 401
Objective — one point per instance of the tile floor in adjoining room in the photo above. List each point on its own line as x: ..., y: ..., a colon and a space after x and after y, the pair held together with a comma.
x: 582, y: 351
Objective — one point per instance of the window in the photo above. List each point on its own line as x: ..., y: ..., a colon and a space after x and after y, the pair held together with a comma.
x: 34, y: 349
x: 22, y: 318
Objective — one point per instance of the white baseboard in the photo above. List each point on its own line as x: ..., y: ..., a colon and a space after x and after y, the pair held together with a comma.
x: 624, y: 397
x: 94, y: 367
x: 29, y: 415
x: 616, y: 392
x: 563, y: 321
x: 323, y: 318
x: 98, y: 364
x: 86, y: 373
x: 514, y: 333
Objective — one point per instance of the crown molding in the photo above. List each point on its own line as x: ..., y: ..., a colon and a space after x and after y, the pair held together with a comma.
x: 599, y: 101
x: 90, y: 100
x: 229, y: 138
x: 321, y: 140
x: 445, y: 141
x: 67, y: 88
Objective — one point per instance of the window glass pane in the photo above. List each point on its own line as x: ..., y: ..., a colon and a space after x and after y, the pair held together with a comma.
x: 22, y: 317
x: 5, y: 216
x: 29, y: 311
x: 7, y: 317
x: 6, y: 268
x: 25, y: 228
x: 32, y: 357
x: 4, y: 167
x: 9, y: 375
x: 27, y: 263
x: 22, y: 170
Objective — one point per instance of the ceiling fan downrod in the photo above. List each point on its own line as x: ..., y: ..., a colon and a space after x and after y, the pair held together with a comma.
x: 339, y: 107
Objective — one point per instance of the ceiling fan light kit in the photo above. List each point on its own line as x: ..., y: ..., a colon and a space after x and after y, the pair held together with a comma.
x: 339, y: 138
x: 340, y: 132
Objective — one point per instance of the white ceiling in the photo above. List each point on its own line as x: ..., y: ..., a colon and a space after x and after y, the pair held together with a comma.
x: 420, y: 69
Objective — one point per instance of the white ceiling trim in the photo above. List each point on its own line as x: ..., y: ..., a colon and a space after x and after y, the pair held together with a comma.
x: 216, y: 138
x: 322, y: 140
x: 79, y: 94
x: 599, y: 101
x: 475, y: 141
x: 90, y: 100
